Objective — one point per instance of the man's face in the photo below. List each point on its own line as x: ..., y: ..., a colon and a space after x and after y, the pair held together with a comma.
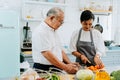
x: 87, y: 25
x: 59, y: 20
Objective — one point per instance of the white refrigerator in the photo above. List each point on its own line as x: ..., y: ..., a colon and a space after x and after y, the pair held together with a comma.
x: 9, y: 44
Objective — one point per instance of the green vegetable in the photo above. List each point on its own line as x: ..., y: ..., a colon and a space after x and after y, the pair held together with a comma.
x: 112, y: 73
x: 116, y: 75
x: 112, y: 78
x: 55, y: 77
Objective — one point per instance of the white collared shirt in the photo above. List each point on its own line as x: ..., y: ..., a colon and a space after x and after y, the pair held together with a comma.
x: 85, y: 36
x: 45, y: 38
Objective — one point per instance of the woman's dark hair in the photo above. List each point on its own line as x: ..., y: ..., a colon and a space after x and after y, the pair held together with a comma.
x: 87, y: 15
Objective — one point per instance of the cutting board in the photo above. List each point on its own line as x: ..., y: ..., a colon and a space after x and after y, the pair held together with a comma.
x: 67, y: 77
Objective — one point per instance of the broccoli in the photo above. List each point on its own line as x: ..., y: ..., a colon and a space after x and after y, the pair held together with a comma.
x: 115, y: 75
x: 112, y: 73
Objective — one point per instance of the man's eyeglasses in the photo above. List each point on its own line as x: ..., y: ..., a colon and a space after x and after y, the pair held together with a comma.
x: 60, y: 21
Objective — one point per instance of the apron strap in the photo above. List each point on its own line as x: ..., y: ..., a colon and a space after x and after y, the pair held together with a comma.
x: 79, y: 35
x: 92, y: 42
x: 91, y: 36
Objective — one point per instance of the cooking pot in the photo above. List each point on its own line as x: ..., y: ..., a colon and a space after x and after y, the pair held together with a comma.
x: 108, y: 43
x: 98, y: 26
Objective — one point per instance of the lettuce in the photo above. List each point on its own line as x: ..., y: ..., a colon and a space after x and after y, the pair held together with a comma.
x: 115, y: 75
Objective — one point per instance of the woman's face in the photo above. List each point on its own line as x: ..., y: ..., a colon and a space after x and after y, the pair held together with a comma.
x: 87, y: 25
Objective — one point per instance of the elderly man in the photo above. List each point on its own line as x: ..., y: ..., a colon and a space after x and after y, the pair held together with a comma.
x: 46, y: 47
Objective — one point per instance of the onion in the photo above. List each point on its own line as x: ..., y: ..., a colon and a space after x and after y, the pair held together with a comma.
x: 84, y: 74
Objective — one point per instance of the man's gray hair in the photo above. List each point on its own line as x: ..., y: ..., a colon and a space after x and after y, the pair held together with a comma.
x: 54, y: 11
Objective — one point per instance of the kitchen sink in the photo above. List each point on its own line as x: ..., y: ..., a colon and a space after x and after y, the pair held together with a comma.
x: 113, y: 48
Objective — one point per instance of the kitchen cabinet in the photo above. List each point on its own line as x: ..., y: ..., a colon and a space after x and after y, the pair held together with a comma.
x: 28, y: 57
x: 35, y: 10
x: 112, y: 58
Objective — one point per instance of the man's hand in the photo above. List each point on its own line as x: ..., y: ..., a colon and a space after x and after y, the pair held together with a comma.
x: 77, y: 64
x: 71, y: 68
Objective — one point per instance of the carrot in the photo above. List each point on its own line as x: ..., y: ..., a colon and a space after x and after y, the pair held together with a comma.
x: 96, y: 67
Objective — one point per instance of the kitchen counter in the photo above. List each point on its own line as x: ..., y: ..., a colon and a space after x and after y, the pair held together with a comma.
x: 109, y: 55
x: 111, y: 60
x: 107, y: 51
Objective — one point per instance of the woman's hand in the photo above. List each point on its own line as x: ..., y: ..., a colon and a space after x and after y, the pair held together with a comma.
x: 98, y: 61
x: 84, y: 59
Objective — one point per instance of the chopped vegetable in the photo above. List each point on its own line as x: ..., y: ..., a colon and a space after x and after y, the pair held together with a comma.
x: 95, y: 68
x: 55, y: 77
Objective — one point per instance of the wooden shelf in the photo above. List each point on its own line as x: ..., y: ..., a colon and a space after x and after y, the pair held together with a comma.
x: 98, y: 7
x: 45, y: 3
x: 100, y: 12
x: 32, y: 20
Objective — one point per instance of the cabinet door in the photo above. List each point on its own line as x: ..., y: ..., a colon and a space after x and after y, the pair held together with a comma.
x: 111, y: 58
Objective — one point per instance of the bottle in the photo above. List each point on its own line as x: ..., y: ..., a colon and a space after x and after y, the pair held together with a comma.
x: 25, y: 32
